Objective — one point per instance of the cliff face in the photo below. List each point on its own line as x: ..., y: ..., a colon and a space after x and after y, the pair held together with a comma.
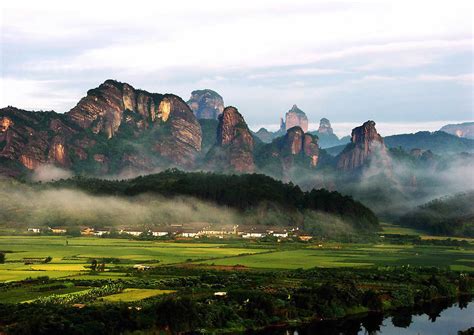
x: 325, y: 127
x: 366, y: 145
x: 114, y: 127
x: 295, y: 117
x: 30, y: 139
x: 206, y: 104
x: 234, y: 144
x: 289, y: 156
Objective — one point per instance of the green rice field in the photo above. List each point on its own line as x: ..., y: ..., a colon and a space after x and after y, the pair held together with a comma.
x: 71, y: 258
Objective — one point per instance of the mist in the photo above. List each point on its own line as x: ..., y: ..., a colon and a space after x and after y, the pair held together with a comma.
x: 40, y: 205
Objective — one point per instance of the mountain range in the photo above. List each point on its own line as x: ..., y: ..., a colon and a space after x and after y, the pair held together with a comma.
x: 117, y: 131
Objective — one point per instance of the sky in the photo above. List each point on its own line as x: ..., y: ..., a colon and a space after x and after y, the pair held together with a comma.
x: 407, y: 64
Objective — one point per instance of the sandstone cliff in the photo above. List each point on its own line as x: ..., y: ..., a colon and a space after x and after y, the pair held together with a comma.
x: 366, y: 146
x: 206, y: 104
x: 114, y: 127
x: 290, y: 155
x: 295, y: 117
x: 234, y: 146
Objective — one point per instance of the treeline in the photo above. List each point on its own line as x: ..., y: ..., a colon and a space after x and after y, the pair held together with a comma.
x: 243, y: 192
x: 445, y: 216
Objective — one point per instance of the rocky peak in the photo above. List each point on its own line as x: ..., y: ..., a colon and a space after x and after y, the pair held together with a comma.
x: 325, y: 127
x: 366, y: 144
x: 234, y: 143
x: 206, y: 104
x: 296, y: 117
x: 297, y: 142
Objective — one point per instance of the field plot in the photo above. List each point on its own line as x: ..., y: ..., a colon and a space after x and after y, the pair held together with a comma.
x: 71, y: 257
x: 347, y: 255
x: 28, y: 293
x: 135, y: 294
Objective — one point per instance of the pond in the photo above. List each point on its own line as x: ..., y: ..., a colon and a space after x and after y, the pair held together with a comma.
x: 437, y: 318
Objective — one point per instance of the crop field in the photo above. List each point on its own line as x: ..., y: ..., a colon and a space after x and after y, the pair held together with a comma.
x: 71, y: 259
x: 135, y: 294
x: 347, y: 255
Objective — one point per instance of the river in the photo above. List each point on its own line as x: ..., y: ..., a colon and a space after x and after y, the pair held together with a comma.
x: 437, y: 318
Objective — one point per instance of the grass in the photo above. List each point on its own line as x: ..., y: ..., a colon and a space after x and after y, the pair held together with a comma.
x: 71, y: 260
x: 348, y: 255
x: 135, y: 294
x: 24, y: 294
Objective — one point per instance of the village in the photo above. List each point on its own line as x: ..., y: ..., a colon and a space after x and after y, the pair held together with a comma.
x: 180, y: 231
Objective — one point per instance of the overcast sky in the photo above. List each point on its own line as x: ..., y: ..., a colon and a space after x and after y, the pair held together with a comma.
x: 405, y: 64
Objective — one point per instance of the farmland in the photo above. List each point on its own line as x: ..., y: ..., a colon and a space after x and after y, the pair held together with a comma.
x: 71, y: 258
x: 211, y: 279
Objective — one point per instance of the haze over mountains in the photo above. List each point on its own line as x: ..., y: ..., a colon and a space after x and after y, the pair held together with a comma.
x: 117, y: 131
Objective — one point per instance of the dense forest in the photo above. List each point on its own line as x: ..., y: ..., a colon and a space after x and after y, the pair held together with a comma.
x: 242, y: 192
x: 445, y: 216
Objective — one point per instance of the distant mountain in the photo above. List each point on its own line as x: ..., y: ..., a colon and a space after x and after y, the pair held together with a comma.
x: 438, y: 142
x: 206, y: 104
x: 464, y: 130
x: 327, y: 138
x: 295, y: 117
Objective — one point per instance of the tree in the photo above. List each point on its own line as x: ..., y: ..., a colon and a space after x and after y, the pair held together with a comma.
x: 94, y: 264
x: 2, y: 257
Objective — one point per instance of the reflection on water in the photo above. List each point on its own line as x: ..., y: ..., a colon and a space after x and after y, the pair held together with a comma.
x: 437, y: 318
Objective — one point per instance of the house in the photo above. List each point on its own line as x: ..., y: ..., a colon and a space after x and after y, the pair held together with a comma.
x: 131, y: 232
x: 189, y: 233
x: 253, y: 235
x: 34, y: 230
x: 281, y: 234
x: 87, y: 231
x: 305, y: 238
x: 220, y: 294
x: 58, y: 230
x: 159, y: 233
x: 101, y: 232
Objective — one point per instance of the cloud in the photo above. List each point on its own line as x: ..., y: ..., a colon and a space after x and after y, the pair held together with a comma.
x: 49, y: 172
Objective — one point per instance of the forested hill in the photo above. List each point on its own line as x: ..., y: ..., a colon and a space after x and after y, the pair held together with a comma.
x: 445, y: 216
x: 243, y: 192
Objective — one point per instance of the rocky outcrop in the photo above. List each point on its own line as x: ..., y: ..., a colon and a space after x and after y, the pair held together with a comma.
x: 113, y: 127
x: 464, y: 130
x: 325, y: 127
x: 30, y: 139
x: 297, y: 142
x: 366, y: 146
x: 289, y: 156
x: 206, y: 104
x: 295, y: 117
x: 234, y: 146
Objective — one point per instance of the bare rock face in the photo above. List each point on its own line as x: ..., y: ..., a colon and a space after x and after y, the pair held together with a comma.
x: 297, y: 142
x: 325, y: 127
x: 290, y: 155
x: 234, y: 144
x: 366, y: 146
x: 295, y: 117
x: 113, y: 127
x: 30, y: 139
x: 206, y: 104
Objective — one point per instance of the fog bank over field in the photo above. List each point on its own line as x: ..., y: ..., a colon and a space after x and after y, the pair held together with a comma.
x: 23, y: 206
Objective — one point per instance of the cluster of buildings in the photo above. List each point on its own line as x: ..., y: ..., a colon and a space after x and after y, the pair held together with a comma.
x: 190, y: 231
